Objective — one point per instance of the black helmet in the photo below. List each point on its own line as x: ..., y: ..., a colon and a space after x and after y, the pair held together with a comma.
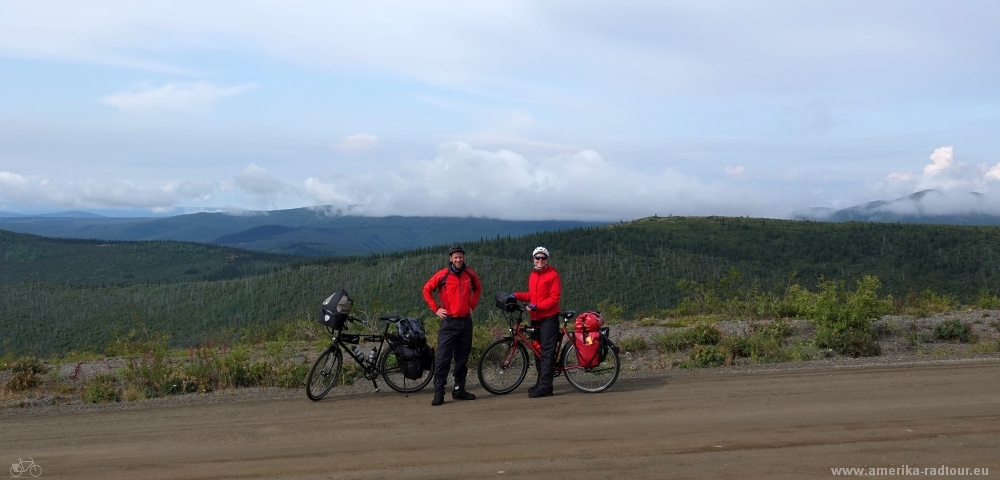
x: 456, y: 248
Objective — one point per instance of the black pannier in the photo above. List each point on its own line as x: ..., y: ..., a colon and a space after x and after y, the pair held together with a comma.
x: 506, y: 302
x: 412, y: 352
x: 335, y: 310
x: 410, y: 362
x: 411, y: 331
x: 603, y: 349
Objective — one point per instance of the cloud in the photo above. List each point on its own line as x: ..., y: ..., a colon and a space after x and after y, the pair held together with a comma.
x: 357, y: 143
x: 951, y: 186
x: 18, y: 189
x: 943, y: 158
x: 265, y: 189
x: 734, y: 170
x: 946, y: 174
x: 188, y: 96
x: 464, y: 181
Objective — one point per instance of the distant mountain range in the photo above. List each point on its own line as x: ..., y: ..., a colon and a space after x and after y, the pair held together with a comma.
x: 70, y: 214
x: 926, y: 206
x: 301, y: 231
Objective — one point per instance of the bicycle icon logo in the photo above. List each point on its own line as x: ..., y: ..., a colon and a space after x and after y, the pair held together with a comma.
x: 16, y: 469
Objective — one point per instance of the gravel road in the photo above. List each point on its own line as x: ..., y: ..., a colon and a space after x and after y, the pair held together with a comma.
x: 795, y: 420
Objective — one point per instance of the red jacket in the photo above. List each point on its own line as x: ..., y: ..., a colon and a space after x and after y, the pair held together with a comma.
x: 544, y: 290
x: 459, y: 292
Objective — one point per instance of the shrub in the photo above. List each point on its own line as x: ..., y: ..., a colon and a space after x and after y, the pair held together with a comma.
x: 704, y: 357
x: 698, y: 335
x: 953, y: 330
x: 927, y: 303
x: 764, y: 345
x: 796, y: 302
x: 612, y: 312
x: 632, y: 344
x: 103, y: 388
x: 293, y: 376
x: 26, y: 371
x: 987, y: 300
x: 778, y: 329
x: 855, y: 343
x: 844, y: 320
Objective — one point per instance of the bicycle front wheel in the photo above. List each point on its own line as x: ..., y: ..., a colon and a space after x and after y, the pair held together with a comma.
x: 35, y: 470
x: 503, y: 366
x: 388, y: 364
x: 594, y: 379
x: 323, y: 375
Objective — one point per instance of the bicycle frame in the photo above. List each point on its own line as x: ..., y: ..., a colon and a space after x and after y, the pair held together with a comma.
x: 518, y: 331
x: 341, y: 340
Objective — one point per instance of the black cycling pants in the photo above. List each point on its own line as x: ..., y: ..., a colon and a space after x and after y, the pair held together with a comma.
x: 454, y: 341
x: 547, y: 334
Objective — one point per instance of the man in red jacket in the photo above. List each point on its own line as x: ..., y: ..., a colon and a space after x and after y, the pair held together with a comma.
x: 544, y: 289
x: 459, y: 290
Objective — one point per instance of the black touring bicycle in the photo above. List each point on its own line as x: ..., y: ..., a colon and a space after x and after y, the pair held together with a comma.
x: 402, y: 358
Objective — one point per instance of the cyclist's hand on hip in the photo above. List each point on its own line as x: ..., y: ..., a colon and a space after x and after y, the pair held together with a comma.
x: 441, y: 313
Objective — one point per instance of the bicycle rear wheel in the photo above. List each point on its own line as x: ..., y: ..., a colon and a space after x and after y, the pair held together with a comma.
x: 595, y: 379
x: 323, y: 375
x: 503, y: 366
x: 388, y: 364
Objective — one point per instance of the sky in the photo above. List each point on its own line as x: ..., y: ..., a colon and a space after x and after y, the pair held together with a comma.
x: 516, y: 110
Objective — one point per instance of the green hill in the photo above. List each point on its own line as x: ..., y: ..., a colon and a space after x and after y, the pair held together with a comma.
x: 635, y: 264
x: 30, y: 258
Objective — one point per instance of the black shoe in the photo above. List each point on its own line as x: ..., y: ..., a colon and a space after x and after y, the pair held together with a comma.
x: 531, y: 390
x: 461, y: 394
x: 438, y: 399
x: 536, y: 393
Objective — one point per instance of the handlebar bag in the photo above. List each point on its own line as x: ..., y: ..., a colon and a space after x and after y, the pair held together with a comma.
x: 505, y: 301
x: 335, y: 310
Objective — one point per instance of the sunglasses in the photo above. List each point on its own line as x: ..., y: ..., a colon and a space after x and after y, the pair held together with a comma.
x: 541, y: 258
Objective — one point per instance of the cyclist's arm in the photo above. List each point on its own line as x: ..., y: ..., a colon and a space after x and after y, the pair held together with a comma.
x: 429, y: 291
x: 477, y: 289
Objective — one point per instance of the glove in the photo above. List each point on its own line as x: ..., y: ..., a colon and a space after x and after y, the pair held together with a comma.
x: 532, y: 306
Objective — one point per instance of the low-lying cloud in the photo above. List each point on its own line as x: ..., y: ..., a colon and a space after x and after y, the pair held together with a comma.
x: 948, y: 186
x: 465, y: 181
x: 31, y: 191
x: 944, y: 173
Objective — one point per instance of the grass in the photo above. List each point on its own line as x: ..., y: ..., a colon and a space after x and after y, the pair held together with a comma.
x: 701, y: 334
x: 953, y: 330
x: 632, y: 344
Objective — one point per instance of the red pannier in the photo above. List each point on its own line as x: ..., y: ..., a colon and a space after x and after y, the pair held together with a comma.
x: 587, y: 338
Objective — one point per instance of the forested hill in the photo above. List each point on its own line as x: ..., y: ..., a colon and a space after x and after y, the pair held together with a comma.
x: 636, y: 264
x: 31, y: 258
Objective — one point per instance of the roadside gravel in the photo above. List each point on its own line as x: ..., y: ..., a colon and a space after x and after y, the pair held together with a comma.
x: 905, y: 341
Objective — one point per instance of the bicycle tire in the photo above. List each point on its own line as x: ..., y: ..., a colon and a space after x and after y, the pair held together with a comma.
x: 494, y: 376
x: 595, y: 379
x: 393, y: 375
x: 35, y: 470
x: 324, y: 373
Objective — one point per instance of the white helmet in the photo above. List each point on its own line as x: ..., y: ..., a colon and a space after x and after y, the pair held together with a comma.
x: 540, y: 250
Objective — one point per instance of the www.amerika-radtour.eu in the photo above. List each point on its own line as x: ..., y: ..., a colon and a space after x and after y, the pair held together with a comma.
x: 905, y: 470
